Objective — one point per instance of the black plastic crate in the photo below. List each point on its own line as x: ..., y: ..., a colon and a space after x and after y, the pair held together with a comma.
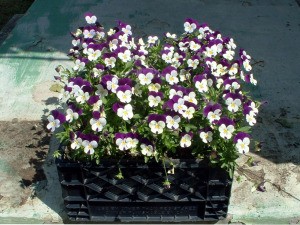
x: 93, y: 193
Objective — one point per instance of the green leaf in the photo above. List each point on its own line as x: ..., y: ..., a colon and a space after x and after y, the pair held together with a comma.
x: 55, y: 88
x: 136, y: 116
x: 56, y: 154
x: 189, y: 127
x: 244, y: 129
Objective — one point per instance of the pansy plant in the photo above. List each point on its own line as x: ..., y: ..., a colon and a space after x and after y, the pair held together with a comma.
x: 155, y: 98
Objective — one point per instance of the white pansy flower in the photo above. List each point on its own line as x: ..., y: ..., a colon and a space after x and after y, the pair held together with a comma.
x: 126, y: 112
x: 111, y: 61
x: 247, y: 65
x: 152, y: 39
x: 145, y: 79
x: 191, y: 98
x: 111, y: 32
x: 124, y: 38
x: 98, y: 124
x: 53, y: 123
x: 173, y: 122
x: 131, y: 142
x: 75, y: 90
x: 173, y: 36
x: 113, y: 44
x: 75, y: 42
x: 193, y: 63
x: 93, y: 55
x: 154, y: 87
x: 127, y: 30
x: 179, y: 106
x: 154, y: 100
x: 206, y: 137
x: 182, y: 46
x: 226, y: 131
x: 101, y: 90
x: 250, y: 118
x: 172, y: 78
x: 173, y: 92
x: 91, y: 19
x: 77, y: 143
x: 231, y: 44
x: 125, y: 56
x: 113, y: 84
x: 212, y: 116
x: 167, y: 57
x: 188, y: 113
x: 121, y: 143
x: 189, y: 27
x: 89, y: 147
x: 82, y: 97
x: 252, y: 80
x: 202, y: 86
x: 89, y: 33
x: 194, y: 46
x: 233, y: 69
x: 211, y: 51
x: 184, y: 75
x: 79, y: 65
x: 124, y: 97
x: 64, y: 95
x: 157, y: 127
x: 229, y: 54
x: 233, y: 104
x: 220, y: 70
x: 97, y: 105
x: 185, y: 141
x: 243, y: 145
x: 71, y: 115
x: 235, y: 85
x: 147, y: 150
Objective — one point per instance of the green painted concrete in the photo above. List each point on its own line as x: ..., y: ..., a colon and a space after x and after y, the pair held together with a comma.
x: 268, y: 30
x: 16, y: 220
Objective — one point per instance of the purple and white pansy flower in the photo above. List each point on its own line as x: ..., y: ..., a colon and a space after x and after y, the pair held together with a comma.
x: 124, y: 93
x: 190, y: 25
x: 155, y: 98
x: 126, y: 141
x: 183, y: 92
x: 157, y: 123
x: 172, y: 120
x: 206, y: 135
x: 90, y: 143
x: 97, y: 122
x: 212, y: 112
x: 233, y: 101
x: 186, y: 140
x: 226, y: 127
x: 55, y: 120
x: 147, y: 148
x: 90, y: 18
x: 242, y: 141
x: 123, y: 111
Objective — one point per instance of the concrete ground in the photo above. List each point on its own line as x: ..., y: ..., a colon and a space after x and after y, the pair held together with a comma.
x: 269, y: 30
